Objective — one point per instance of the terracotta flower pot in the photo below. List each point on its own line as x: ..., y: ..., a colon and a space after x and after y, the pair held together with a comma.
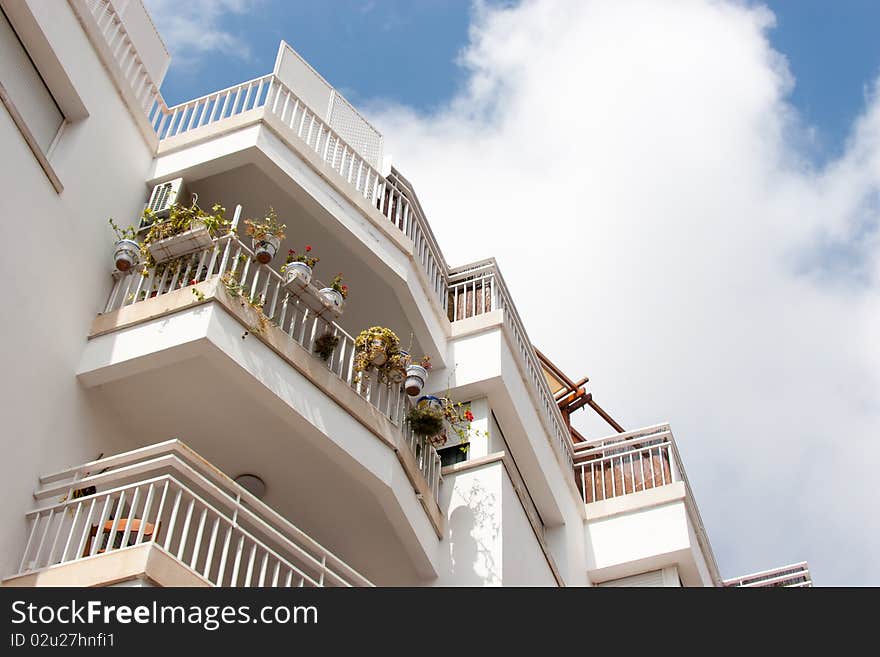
x: 127, y: 255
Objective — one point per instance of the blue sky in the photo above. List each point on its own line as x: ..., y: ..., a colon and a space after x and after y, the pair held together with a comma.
x: 406, y: 51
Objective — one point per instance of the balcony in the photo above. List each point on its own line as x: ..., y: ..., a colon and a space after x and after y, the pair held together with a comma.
x: 293, y: 310
x: 640, y: 511
x: 626, y: 464
x: 176, y: 352
x: 165, y: 498
x: 796, y: 575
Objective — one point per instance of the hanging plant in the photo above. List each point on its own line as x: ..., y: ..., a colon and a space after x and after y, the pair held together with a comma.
x: 416, y: 376
x: 377, y: 348
x: 127, y: 251
x: 325, y: 344
x: 455, y: 415
x: 427, y: 421
x: 267, y: 234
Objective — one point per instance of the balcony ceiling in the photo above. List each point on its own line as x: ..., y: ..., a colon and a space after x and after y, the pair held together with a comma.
x: 371, y: 300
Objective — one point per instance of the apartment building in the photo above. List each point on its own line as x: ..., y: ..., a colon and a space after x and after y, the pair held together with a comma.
x: 191, y: 411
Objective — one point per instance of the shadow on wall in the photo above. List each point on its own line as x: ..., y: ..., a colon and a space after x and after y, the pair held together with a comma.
x: 472, y: 561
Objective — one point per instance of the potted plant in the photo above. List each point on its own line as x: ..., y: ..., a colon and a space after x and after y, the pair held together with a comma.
x: 184, y: 230
x: 334, y: 295
x: 267, y: 234
x: 427, y: 421
x: 325, y: 344
x: 127, y: 252
x: 397, y: 364
x: 373, y: 348
x: 298, y: 266
x: 417, y: 376
x: 456, y: 415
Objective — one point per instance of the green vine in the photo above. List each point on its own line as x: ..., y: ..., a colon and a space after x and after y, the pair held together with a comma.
x: 236, y: 289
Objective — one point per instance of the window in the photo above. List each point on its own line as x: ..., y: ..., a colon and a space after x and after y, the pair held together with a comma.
x: 454, y: 454
x: 27, y: 98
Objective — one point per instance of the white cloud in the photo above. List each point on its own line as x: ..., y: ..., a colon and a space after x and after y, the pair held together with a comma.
x: 638, y: 172
x: 194, y: 28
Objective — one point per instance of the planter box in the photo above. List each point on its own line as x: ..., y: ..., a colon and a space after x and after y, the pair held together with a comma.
x: 194, y: 239
x: 311, y: 297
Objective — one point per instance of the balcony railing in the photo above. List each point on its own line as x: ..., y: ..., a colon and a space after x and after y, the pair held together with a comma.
x: 392, y: 196
x: 283, y: 308
x: 116, y: 45
x: 626, y: 463
x: 796, y: 575
x: 169, y: 496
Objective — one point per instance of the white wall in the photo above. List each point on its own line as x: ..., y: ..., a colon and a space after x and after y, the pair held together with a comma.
x: 483, y: 361
x: 489, y: 541
x: 56, y: 273
x: 524, y: 561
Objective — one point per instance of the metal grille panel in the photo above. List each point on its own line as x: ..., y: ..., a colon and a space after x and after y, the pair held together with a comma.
x: 356, y: 131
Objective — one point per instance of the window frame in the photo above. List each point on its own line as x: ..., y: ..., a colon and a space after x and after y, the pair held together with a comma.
x: 19, y: 121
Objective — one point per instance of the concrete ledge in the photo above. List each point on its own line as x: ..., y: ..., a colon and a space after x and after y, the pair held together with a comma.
x: 639, y: 501
x: 477, y: 324
x: 147, y: 560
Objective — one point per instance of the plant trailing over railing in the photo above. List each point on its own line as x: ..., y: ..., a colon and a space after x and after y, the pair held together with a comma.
x: 377, y: 348
x: 235, y: 289
x: 325, y: 344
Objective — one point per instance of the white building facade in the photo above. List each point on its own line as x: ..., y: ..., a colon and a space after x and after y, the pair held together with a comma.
x: 172, y: 424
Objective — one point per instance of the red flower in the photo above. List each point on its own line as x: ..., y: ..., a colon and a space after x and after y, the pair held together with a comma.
x: 308, y: 248
x: 468, y: 416
x: 193, y: 282
x: 291, y: 252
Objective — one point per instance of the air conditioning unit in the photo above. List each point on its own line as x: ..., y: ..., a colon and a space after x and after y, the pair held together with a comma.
x: 163, y: 196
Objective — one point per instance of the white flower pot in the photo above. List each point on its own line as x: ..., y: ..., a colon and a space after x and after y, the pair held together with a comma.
x: 127, y: 255
x: 416, y: 376
x: 266, y: 248
x: 331, y: 297
x: 297, y: 271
